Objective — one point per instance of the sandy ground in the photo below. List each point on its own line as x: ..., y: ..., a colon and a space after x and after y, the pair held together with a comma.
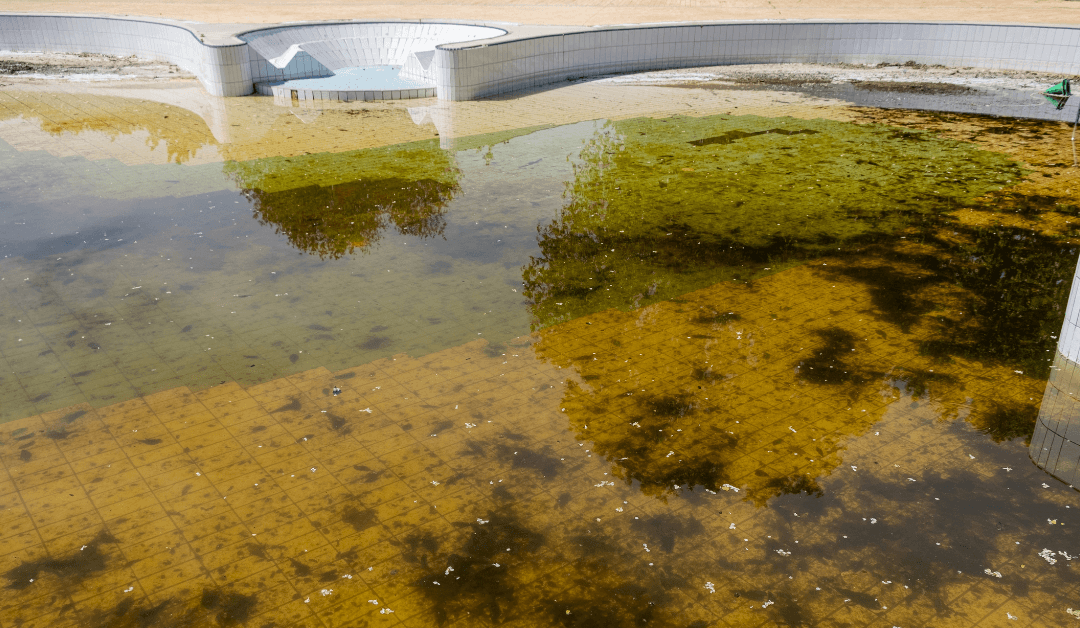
x: 572, y: 13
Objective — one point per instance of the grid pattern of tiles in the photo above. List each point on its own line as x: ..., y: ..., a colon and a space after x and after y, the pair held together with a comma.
x: 345, y: 45
x: 283, y: 94
x: 507, y: 66
x: 166, y: 526
x: 292, y: 503
x: 419, y: 66
x: 223, y: 70
x: 1056, y: 443
x: 302, y: 65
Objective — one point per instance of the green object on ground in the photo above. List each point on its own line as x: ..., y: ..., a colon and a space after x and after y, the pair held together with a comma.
x: 1058, y: 94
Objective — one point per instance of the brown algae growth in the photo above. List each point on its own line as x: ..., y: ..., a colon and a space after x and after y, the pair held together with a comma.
x: 661, y: 207
x: 786, y: 427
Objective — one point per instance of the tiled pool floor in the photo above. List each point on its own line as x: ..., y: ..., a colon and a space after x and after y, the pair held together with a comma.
x: 581, y: 475
x: 301, y: 507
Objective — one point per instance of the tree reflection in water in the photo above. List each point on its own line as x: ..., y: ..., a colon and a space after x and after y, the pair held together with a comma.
x: 697, y: 365
x: 332, y: 205
x: 658, y: 208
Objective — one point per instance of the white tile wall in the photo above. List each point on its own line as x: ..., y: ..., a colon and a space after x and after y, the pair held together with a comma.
x: 1055, y: 445
x: 283, y: 94
x: 466, y: 73
x: 223, y: 70
x: 328, y: 47
x: 506, y: 66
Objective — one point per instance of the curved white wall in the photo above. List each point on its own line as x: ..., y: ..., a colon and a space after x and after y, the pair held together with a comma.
x: 1055, y: 445
x: 467, y: 73
x: 278, y: 53
x: 223, y: 70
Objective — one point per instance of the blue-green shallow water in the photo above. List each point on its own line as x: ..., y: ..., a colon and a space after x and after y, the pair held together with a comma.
x: 106, y: 296
x: 245, y: 271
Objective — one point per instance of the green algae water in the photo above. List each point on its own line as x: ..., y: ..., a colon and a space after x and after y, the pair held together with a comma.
x: 660, y: 207
x: 685, y: 372
x: 410, y: 248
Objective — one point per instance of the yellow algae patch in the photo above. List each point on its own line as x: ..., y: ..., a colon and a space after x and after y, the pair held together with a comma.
x: 760, y: 386
x: 1044, y: 200
x: 180, y: 131
x: 451, y: 488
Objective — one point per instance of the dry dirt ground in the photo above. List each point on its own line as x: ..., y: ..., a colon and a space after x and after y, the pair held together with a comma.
x: 21, y: 67
x: 586, y: 13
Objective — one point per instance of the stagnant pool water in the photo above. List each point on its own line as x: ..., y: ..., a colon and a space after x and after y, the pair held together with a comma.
x: 767, y: 364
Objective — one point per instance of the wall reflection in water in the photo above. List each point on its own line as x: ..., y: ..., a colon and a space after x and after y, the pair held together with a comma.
x: 180, y: 131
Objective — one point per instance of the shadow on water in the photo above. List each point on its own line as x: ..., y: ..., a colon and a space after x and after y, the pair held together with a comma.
x: 902, y: 298
x: 214, y: 607
x: 67, y: 574
x: 71, y: 570
x: 650, y: 215
x: 498, y: 570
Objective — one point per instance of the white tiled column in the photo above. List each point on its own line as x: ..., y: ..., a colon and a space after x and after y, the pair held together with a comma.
x: 1055, y: 445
